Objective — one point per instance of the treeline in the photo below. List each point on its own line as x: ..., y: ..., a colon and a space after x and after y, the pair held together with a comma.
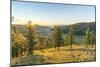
x: 79, y: 28
x: 26, y: 43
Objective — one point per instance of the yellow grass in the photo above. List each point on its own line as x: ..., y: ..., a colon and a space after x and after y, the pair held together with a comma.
x: 66, y: 55
x: 79, y: 53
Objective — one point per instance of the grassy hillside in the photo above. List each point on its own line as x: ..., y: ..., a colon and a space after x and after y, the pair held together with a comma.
x: 35, y: 44
x: 65, y: 54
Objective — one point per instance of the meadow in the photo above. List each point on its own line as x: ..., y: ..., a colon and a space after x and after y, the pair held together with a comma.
x: 79, y: 53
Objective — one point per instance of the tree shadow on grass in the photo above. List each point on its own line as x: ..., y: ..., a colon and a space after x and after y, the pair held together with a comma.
x: 29, y: 60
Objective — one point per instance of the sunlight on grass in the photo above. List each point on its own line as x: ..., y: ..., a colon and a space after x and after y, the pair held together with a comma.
x: 57, y: 56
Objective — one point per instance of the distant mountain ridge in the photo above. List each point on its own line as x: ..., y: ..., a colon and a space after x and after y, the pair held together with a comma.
x: 78, y: 28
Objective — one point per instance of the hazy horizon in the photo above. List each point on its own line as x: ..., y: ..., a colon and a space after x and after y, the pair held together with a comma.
x: 51, y: 14
x: 54, y: 24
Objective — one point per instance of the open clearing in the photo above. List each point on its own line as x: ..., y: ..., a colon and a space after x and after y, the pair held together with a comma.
x: 79, y: 53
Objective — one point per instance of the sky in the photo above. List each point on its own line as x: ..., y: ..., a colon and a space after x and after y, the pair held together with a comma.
x: 50, y: 13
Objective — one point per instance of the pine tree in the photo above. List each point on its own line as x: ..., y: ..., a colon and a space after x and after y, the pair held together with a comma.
x: 37, y: 40
x: 18, y: 42
x: 57, y: 36
x: 92, y: 38
x: 66, y: 40
x: 30, y: 37
x: 70, y: 37
x: 46, y: 42
x: 14, y: 43
x: 87, y: 37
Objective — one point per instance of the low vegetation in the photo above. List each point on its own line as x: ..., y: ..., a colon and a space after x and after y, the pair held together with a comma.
x: 64, y: 54
x: 31, y: 47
